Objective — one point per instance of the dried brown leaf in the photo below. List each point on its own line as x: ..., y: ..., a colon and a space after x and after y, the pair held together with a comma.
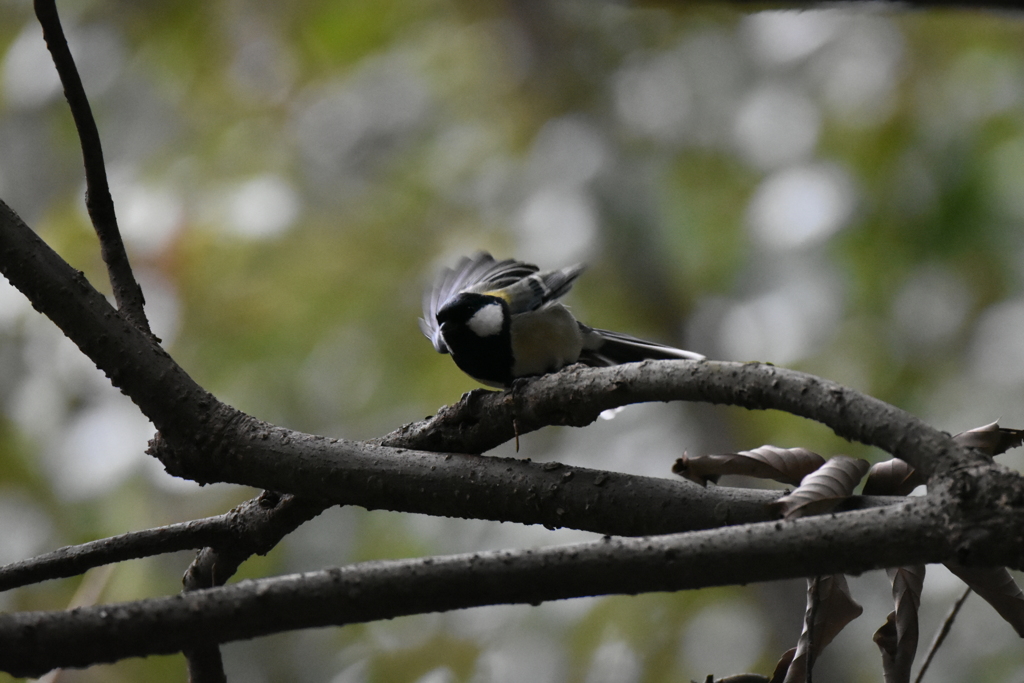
x: 887, y: 640
x: 824, y: 488
x: 885, y: 636
x: 893, y: 477
x: 897, y: 638
x: 830, y: 607
x: 907, y: 583
x: 998, y: 588
x: 787, y: 465
x: 782, y: 668
x: 991, y: 438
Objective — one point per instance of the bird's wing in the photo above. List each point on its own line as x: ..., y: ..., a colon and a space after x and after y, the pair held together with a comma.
x: 537, y: 289
x: 477, y: 273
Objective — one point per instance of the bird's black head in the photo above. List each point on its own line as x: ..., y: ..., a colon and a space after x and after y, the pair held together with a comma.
x: 475, y: 328
x: 485, y: 312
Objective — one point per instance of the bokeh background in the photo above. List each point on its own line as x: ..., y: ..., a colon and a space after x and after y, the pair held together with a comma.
x: 837, y: 191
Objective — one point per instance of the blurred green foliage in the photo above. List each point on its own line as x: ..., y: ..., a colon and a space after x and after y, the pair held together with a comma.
x: 289, y: 177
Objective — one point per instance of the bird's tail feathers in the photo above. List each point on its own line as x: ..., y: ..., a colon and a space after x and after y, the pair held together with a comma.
x: 604, y: 347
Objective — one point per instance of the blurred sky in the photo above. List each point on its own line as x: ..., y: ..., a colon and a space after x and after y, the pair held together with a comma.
x: 838, y: 191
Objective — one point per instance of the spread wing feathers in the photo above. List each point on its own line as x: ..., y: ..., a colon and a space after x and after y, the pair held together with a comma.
x: 478, y: 272
x: 518, y: 283
x: 537, y: 289
x: 603, y: 347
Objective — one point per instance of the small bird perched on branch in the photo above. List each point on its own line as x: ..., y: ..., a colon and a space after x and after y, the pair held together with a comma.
x: 501, y: 320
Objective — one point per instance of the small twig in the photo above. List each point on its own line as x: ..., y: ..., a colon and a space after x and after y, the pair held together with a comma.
x: 267, y: 518
x: 77, y: 559
x: 205, y: 665
x: 513, y: 398
x: 204, y: 661
x: 98, y: 201
x: 253, y: 527
x: 947, y: 624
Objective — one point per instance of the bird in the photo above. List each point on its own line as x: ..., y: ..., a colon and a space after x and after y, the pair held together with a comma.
x: 502, y: 321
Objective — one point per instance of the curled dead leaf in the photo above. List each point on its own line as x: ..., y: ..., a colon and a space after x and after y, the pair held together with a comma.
x: 991, y: 439
x: 824, y: 488
x: 786, y: 465
x: 830, y: 607
x: 779, y: 675
x: 897, y: 637
x: 893, y: 477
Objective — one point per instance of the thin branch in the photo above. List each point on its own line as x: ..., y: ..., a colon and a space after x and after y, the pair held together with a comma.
x: 77, y: 559
x: 204, y: 661
x: 126, y: 290
x: 256, y: 526
x: 266, y: 520
x: 34, y: 642
x: 250, y: 528
x: 209, y: 569
x: 940, y: 637
x: 205, y: 665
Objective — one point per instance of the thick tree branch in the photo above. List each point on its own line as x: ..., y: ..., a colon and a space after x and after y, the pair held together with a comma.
x: 186, y: 413
x: 577, y: 396
x: 475, y: 487
x: 35, y: 642
x: 132, y: 360
x: 98, y: 201
x: 206, y: 440
x: 257, y: 525
x: 452, y: 484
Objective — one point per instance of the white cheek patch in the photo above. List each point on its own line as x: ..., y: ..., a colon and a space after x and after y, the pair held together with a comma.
x: 487, y: 321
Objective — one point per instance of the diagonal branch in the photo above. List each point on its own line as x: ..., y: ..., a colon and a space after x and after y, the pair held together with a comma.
x: 34, y: 642
x: 127, y: 292
x: 132, y: 359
